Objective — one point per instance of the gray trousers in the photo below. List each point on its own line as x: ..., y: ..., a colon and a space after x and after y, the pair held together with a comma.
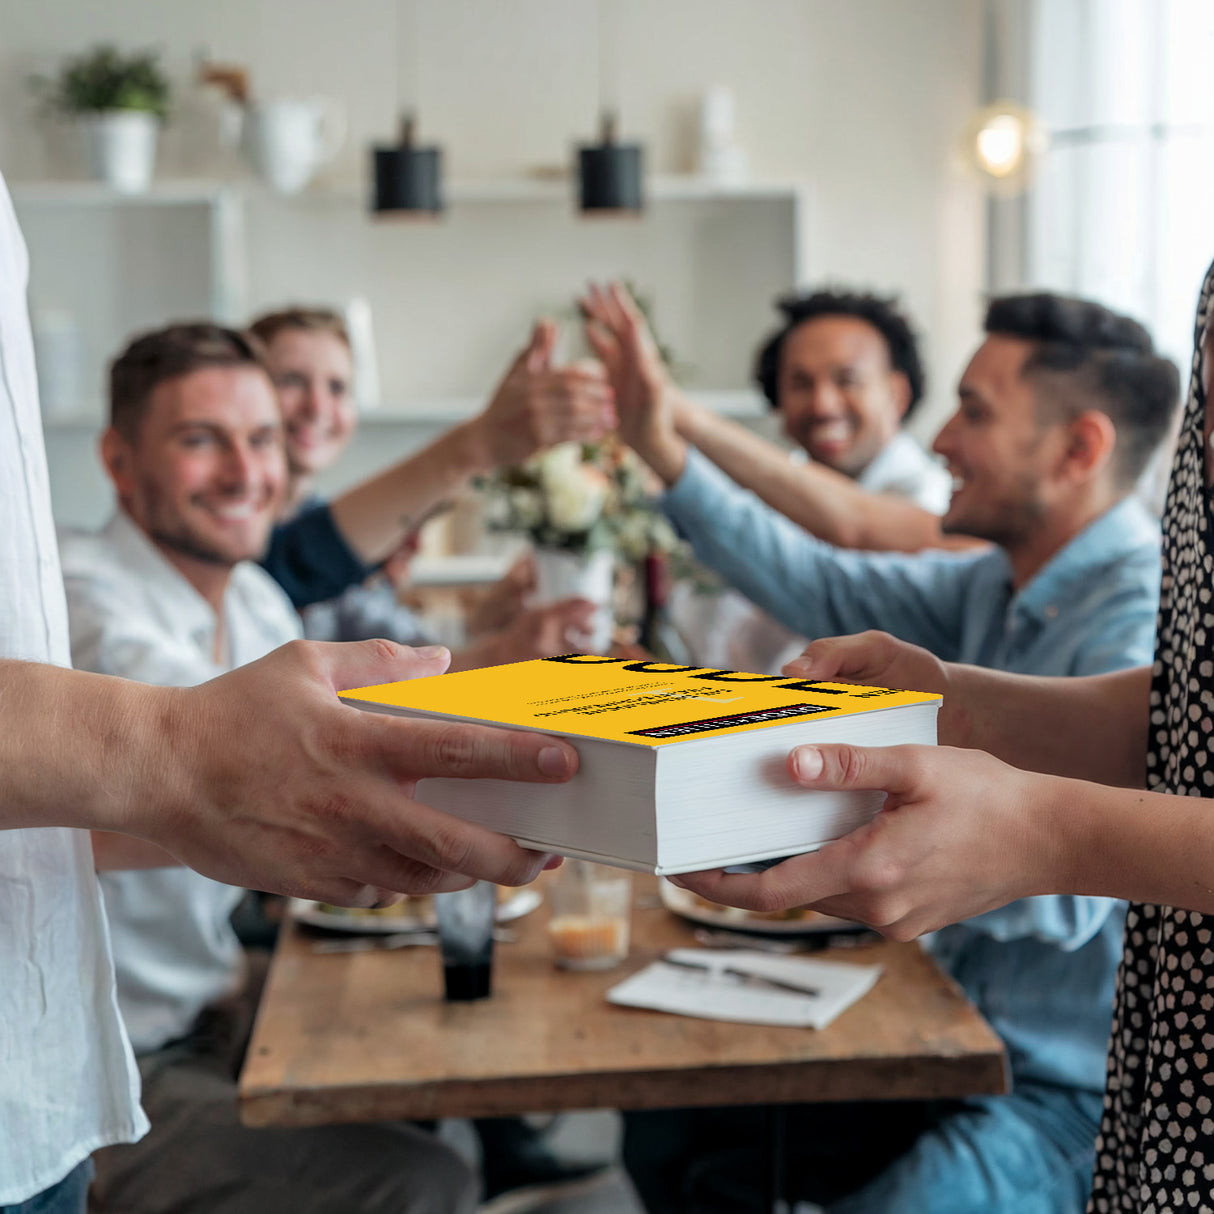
x: 199, y: 1159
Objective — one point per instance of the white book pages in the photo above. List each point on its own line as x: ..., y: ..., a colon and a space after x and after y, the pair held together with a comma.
x: 685, y: 806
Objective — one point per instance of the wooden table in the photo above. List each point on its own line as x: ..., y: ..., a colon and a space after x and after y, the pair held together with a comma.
x: 368, y: 1037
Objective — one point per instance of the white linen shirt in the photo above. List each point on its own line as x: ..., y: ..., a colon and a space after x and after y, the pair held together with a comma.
x: 133, y: 614
x: 68, y: 1083
x: 904, y: 469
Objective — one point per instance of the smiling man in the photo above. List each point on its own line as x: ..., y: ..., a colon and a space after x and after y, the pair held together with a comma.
x: 168, y: 593
x: 844, y: 373
x: 1060, y: 409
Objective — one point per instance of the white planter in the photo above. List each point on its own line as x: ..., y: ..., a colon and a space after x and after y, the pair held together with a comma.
x: 121, y: 147
x: 566, y: 575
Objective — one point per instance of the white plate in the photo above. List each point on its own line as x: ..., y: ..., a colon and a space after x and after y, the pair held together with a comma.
x: 420, y: 919
x: 685, y: 903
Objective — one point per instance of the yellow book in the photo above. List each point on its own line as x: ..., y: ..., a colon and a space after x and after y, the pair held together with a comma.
x: 681, y: 767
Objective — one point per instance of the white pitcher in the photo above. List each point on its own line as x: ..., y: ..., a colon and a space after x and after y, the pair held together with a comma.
x: 289, y: 139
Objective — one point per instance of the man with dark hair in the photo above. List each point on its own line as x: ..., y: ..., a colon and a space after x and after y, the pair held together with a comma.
x: 163, y: 354
x: 1059, y: 410
x: 1093, y: 356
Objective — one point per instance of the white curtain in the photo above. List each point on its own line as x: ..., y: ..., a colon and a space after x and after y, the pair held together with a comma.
x: 1121, y: 208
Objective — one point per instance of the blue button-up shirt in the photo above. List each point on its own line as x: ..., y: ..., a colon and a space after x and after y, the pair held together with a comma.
x: 1041, y: 969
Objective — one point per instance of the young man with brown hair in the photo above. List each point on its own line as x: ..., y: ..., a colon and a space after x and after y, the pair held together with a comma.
x: 168, y: 592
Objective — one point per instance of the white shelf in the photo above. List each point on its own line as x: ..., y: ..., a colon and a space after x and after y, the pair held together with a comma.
x: 674, y: 187
x: 448, y: 411
x: 169, y: 191
x: 677, y: 187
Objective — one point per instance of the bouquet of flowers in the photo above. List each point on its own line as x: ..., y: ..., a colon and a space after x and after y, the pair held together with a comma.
x: 580, y: 498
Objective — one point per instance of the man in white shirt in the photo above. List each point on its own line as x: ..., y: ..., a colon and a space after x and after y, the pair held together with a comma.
x: 217, y: 775
x: 168, y: 593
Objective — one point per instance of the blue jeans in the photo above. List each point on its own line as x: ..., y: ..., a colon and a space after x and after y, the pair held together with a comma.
x: 1027, y: 1153
x: 69, y: 1196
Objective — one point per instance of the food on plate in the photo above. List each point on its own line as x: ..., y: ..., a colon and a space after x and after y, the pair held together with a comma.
x: 413, y: 906
x: 794, y: 914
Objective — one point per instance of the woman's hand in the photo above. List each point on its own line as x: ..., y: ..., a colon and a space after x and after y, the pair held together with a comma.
x: 960, y: 833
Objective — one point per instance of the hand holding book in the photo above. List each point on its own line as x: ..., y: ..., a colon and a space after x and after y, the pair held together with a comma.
x: 953, y: 840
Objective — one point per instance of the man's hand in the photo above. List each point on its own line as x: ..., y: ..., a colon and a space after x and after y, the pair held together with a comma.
x: 265, y: 779
x: 537, y: 632
x: 644, y: 395
x: 537, y: 405
x: 957, y: 836
x: 500, y: 605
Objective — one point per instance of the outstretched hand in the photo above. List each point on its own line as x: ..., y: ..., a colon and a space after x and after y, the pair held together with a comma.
x: 621, y: 340
x: 537, y: 405
x: 957, y: 836
x: 275, y: 784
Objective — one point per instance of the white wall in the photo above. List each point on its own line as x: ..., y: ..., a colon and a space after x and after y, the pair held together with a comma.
x: 862, y: 99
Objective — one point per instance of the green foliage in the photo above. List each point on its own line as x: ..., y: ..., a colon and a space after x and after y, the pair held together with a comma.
x: 104, y: 78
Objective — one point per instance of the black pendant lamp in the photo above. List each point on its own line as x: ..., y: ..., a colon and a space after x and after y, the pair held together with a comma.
x: 610, y: 173
x: 408, y: 177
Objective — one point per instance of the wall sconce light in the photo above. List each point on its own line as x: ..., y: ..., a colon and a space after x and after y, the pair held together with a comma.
x: 408, y: 178
x: 1002, y: 143
x: 610, y: 173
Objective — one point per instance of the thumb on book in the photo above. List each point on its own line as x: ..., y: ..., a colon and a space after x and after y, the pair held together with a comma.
x: 887, y: 768
x: 366, y: 663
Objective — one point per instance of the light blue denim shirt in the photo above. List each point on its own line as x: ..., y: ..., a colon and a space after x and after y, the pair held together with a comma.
x: 1040, y: 969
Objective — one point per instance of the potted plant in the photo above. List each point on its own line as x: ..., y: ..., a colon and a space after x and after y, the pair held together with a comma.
x: 119, y: 101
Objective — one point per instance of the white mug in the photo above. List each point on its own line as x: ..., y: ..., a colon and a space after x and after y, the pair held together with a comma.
x: 289, y: 139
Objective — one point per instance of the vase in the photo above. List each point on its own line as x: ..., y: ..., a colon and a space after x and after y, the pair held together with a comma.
x: 560, y: 574
x: 289, y: 139
x: 122, y: 148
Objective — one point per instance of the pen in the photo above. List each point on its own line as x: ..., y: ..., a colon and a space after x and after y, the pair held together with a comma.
x: 745, y: 975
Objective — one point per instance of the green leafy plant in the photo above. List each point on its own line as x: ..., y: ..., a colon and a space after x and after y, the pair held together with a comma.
x: 104, y: 78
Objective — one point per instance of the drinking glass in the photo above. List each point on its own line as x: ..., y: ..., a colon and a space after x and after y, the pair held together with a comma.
x: 591, y: 916
x: 465, y: 936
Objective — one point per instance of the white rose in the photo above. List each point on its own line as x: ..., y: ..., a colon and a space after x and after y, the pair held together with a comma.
x: 559, y: 463
x: 575, y: 502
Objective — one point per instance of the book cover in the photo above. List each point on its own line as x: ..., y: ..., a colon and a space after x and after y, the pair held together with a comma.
x: 679, y: 767
x: 638, y: 703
